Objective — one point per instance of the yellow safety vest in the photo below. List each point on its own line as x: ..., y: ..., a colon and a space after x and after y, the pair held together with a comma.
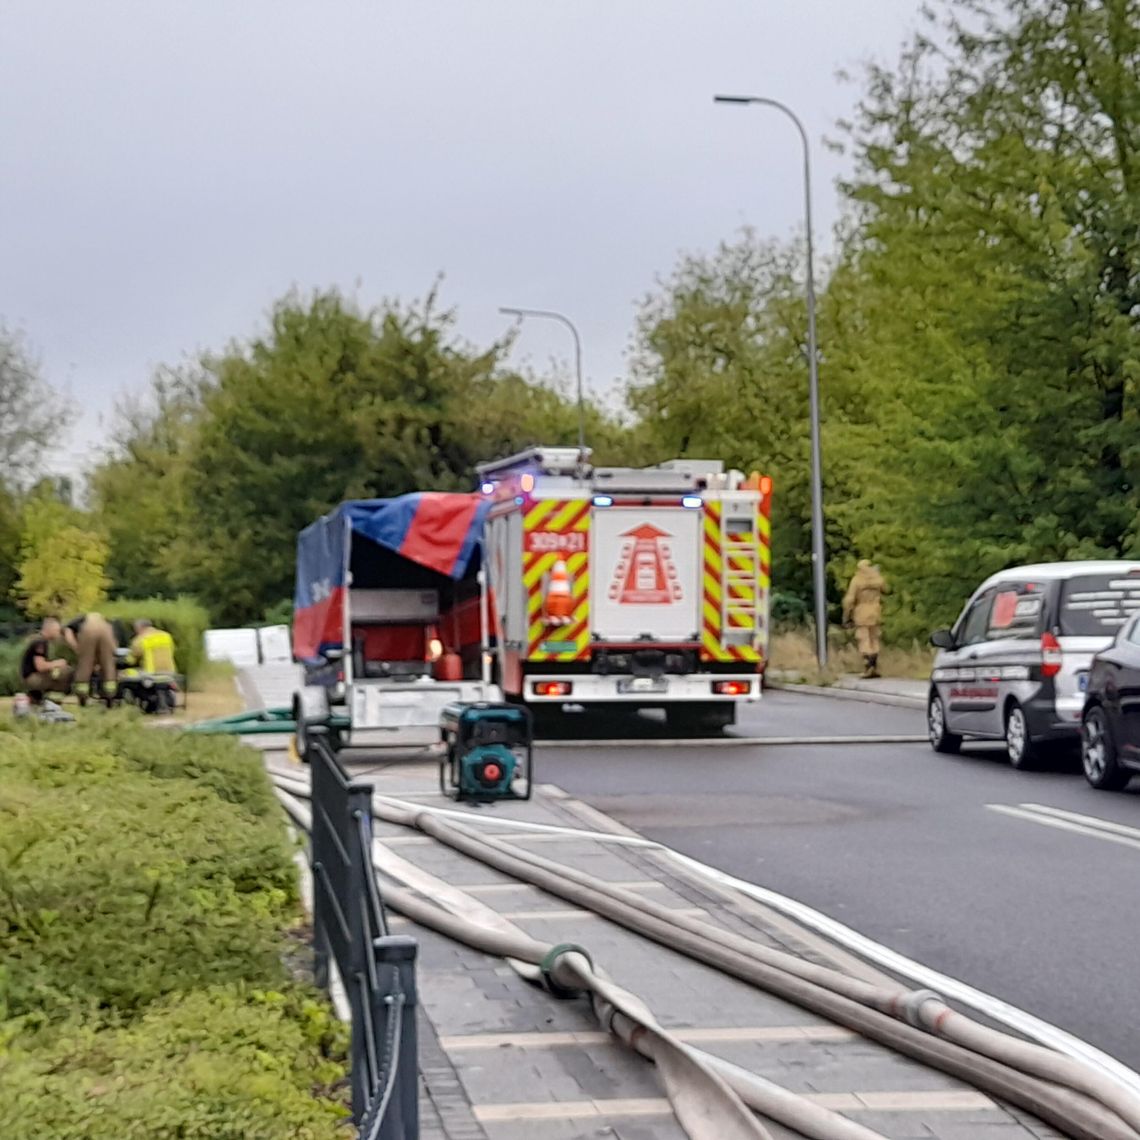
x: 153, y: 651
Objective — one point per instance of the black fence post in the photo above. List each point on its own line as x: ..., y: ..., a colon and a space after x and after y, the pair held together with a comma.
x: 360, y: 974
x: 396, y: 1012
x: 377, y: 969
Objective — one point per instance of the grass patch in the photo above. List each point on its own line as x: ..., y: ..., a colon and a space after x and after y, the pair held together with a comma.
x: 146, y: 888
x: 213, y: 692
x: 793, y: 651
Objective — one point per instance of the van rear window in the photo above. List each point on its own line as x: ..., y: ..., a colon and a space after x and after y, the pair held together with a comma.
x: 1016, y: 612
x: 1097, y: 605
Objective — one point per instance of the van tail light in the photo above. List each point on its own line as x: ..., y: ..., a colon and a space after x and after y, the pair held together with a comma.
x: 1050, y: 655
x: 553, y: 688
x: 732, y: 688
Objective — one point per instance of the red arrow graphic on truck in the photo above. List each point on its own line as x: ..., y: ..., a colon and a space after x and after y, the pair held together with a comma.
x: 645, y: 574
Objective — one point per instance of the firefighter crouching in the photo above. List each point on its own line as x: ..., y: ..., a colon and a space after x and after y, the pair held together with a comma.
x: 863, y: 608
x: 150, y: 674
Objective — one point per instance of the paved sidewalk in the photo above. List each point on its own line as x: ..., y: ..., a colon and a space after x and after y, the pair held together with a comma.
x: 880, y: 690
x: 503, y: 1060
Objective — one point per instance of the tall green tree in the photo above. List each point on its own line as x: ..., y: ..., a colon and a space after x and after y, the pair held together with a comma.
x: 332, y: 402
x: 720, y: 371
x: 9, y: 545
x: 63, y: 557
x: 993, y: 289
x: 137, y: 491
x: 31, y: 416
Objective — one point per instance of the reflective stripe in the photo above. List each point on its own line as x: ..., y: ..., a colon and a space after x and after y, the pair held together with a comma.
x: 557, y: 516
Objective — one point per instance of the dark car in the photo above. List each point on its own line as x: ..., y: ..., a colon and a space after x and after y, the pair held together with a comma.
x: 1110, y: 723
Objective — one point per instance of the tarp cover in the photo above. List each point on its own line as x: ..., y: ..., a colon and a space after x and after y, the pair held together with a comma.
x: 437, y: 531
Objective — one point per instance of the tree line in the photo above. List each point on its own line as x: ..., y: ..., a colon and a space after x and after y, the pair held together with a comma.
x: 979, y: 331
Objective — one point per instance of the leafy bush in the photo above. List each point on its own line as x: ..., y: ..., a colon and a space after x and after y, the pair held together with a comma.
x: 183, y: 618
x: 221, y: 1064
x: 280, y: 613
x: 10, y: 654
x: 788, y: 610
x: 145, y: 886
x: 180, y: 880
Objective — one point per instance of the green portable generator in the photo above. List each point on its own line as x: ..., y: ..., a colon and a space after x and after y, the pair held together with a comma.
x: 488, y: 752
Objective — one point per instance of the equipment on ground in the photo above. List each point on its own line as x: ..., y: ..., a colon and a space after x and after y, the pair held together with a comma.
x: 637, y: 588
x: 489, y: 753
x: 154, y: 693
x: 263, y: 722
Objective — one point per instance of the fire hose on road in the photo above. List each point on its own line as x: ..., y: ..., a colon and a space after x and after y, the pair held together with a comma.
x: 1071, y: 1096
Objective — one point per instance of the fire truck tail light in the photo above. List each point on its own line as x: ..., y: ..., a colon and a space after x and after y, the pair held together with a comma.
x: 553, y: 688
x: 1050, y: 655
x: 732, y: 688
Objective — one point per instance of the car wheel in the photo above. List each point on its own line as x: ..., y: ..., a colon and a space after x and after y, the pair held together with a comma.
x: 1018, y: 745
x: 941, y: 740
x: 1098, y: 754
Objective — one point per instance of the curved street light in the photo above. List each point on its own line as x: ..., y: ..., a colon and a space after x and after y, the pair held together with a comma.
x: 818, y: 551
x: 549, y: 314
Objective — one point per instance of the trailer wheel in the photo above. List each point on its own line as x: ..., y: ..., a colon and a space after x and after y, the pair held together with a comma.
x: 700, y: 719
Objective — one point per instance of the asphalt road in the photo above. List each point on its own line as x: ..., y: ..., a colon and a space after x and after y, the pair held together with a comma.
x: 902, y: 845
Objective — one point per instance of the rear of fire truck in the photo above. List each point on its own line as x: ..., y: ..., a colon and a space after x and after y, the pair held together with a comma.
x: 637, y: 587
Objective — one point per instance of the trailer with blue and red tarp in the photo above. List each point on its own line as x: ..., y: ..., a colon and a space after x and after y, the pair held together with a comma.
x: 390, y: 616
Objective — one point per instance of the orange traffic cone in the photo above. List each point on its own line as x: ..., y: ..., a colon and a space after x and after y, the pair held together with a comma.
x: 558, y: 601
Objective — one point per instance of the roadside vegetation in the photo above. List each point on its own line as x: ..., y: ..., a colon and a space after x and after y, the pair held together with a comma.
x: 149, y: 910
x: 792, y: 657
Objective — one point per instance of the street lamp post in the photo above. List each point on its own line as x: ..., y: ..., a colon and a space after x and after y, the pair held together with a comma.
x: 549, y: 315
x: 818, y: 553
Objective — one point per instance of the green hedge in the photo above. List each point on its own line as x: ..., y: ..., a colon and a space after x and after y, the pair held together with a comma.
x: 10, y: 654
x: 215, y: 1065
x: 148, y: 892
x: 183, y: 618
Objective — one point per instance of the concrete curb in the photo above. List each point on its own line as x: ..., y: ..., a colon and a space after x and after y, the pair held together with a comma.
x: 896, y: 699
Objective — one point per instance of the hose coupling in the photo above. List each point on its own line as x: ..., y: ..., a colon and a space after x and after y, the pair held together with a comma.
x: 548, y: 964
x: 911, y: 1006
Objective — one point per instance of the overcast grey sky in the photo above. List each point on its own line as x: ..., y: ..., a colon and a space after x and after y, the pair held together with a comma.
x: 170, y: 167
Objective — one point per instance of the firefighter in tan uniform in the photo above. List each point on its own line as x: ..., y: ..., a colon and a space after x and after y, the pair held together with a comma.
x: 863, y: 608
x: 93, y: 641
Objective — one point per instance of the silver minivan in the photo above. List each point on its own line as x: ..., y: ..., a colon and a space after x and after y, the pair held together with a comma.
x: 1016, y: 663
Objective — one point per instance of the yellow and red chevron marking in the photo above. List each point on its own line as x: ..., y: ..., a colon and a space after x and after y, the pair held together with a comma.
x: 568, y: 520
x: 713, y: 599
x: 712, y: 606
x: 764, y: 545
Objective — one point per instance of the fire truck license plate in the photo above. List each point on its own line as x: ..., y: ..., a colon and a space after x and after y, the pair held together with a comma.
x: 643, y: 685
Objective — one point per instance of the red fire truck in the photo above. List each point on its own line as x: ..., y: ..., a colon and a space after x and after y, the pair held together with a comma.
x: 643, y: 587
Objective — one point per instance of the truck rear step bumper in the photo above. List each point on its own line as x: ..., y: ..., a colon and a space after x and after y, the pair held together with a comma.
x: 592, y: 688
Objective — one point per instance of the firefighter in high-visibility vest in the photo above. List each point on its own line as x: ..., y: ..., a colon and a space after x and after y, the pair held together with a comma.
x: 149, y: 678
x: 152, y: 650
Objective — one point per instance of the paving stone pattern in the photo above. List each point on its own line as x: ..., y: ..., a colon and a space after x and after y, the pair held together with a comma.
x: 476, y: 1088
